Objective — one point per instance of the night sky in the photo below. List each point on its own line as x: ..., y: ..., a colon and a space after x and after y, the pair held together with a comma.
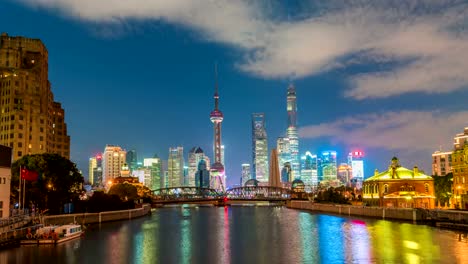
x: 380, y: 76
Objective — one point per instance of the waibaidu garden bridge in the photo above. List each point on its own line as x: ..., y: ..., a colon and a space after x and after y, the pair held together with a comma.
x: 195, y: 195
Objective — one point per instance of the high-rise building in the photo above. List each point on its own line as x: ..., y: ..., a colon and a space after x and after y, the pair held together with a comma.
x: 356, y: 161
x: 292, y: 133
x: 282, y: 145
x: 218, y: 180
x: 329, y: 165
x: 31, y: 122
x: 259, y: 148
x: 202, y: 176
x: 274, y: 178
x: 246, y: 175
x: 344, y: 173
x: 154, y: 180
x: 441, y: 163
x: 286, y: 175
x: 112, y: 162
x: 92, y: 167
x: 97, y: 172
x: 132, y: 159
x: 175, y: 167
x: 460, y: 169
x: 309, y: 169
x: 196, y: 154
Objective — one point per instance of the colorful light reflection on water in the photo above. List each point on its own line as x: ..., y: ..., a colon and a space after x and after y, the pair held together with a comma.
x: 251, y: 235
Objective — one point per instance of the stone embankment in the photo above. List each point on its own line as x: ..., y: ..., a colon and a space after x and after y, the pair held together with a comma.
x: 405, y: 214
x: 92, y: 218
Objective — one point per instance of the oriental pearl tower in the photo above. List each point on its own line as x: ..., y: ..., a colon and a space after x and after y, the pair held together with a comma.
x: 216, y: 117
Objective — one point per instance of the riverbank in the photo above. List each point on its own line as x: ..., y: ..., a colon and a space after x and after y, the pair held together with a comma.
x: 416, y: 215
x: 97, y: 218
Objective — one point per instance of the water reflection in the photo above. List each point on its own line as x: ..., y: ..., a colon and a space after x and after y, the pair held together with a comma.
x: 251, y: 235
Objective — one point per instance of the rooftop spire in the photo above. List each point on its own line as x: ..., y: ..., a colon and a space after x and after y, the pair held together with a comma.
x: 216, y: 96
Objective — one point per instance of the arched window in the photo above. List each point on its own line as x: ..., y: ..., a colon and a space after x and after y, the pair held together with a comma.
x: 386, y: 188
x: 426, y: 187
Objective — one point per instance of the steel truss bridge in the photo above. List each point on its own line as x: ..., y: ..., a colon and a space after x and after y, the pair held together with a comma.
x: 184, y: 194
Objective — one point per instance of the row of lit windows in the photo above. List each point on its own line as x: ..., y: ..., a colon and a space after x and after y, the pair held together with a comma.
x: 368, y: 189
x: 457, y: 180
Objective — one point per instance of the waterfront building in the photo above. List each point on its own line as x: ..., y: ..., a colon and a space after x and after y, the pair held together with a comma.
x: 202, y: 175
x: 274, y: 170
x: 246, y: 174
x: 259, y: 148
x: 218, y: 180
x: 132, y: 159
x: 328, y: 165
x: 196, y: 154
x: 175, y: 167
x: 356, y: 161
x: 441, y: 163
x: 292, y: 133
x: 460, y: 170
x: 154, y: 165
x: 112, y: 161
x: 399, y: 187
x: 5, y: 180
x: 31, y: 122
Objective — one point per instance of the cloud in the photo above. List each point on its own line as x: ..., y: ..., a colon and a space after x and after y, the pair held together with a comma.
x: 425, y: 41
x: 405, y: 131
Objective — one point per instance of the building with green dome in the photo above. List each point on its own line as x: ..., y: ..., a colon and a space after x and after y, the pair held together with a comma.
x: 399, y: 187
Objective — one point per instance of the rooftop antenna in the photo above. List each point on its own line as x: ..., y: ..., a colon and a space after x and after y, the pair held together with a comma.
x: 216, y: 85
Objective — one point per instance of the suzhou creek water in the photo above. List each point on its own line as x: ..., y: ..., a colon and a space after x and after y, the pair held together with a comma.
x: 191, y: 234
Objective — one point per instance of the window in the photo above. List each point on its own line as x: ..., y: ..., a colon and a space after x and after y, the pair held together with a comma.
x: 386, y: 188
x: 20, y: 153
x: 426, y: 187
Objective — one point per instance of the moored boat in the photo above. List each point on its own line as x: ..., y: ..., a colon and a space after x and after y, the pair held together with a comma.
x: 53, y: 234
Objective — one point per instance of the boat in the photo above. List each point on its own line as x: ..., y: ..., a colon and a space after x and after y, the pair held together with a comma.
x: 53, y: 235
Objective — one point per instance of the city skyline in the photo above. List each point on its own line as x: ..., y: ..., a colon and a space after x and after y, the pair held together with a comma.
x: 378, y: 102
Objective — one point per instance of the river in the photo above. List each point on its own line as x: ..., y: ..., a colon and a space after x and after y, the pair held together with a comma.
x: 251, y: 235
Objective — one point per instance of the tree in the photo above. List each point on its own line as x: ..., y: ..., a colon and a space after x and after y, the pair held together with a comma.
x: 125, y: 191
x: 443, y: 188
x: 59, y: 181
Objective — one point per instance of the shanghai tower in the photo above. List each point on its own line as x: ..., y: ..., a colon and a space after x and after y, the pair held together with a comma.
x: 292, y: 133
x: 216, y: 117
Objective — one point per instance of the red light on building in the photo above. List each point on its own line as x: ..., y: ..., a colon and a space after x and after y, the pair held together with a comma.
x: 357, y: 154
x: 99, y: 156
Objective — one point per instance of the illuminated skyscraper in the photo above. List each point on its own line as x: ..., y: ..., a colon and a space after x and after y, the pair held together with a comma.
x: 216, y: 117
x: 329, y: 168
x: 259, y: 148
x: 132, y: 159
x: 282, y: 145
x: 344, y: 173
x: 155, y: 177
x: 309, y: 169
x: 292, y: 133
x: 31, y: 122
x: 355, y: 160
x: 441, y: 163
x: 175, y: 167
x: 92, y: 167
x: 286, y: 175
x: 246, y: 175
x: 112, y: 162
x: 196, y: 154
x: 202, y: 175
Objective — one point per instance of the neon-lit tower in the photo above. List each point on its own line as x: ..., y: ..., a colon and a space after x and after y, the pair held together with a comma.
x: 292, y: 133
x: 216, y: 118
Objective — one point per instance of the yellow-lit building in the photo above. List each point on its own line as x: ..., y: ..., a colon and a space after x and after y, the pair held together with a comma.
x: 460, y: 170
x: 31, y: 122
x: 399, y: 187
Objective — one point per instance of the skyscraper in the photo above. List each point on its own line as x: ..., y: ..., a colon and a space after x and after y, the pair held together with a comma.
x: 202, y: 175
x: 284, y: 155
x: 292, y: 133
x: 274, y: 177
x: 259, y: 148
x: 216, y: 117
x: 154, y: 179
x: 309, y: 169
x: 112, y: 162
x: 196, y: 154
x: 246, y: 175
x: 441, y: 163
x: 329, y: 168
x: 92, y: 167
x: 355, y: 160
x: 175, y: 167
x: 31, y: 122
x: 132, y: 159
